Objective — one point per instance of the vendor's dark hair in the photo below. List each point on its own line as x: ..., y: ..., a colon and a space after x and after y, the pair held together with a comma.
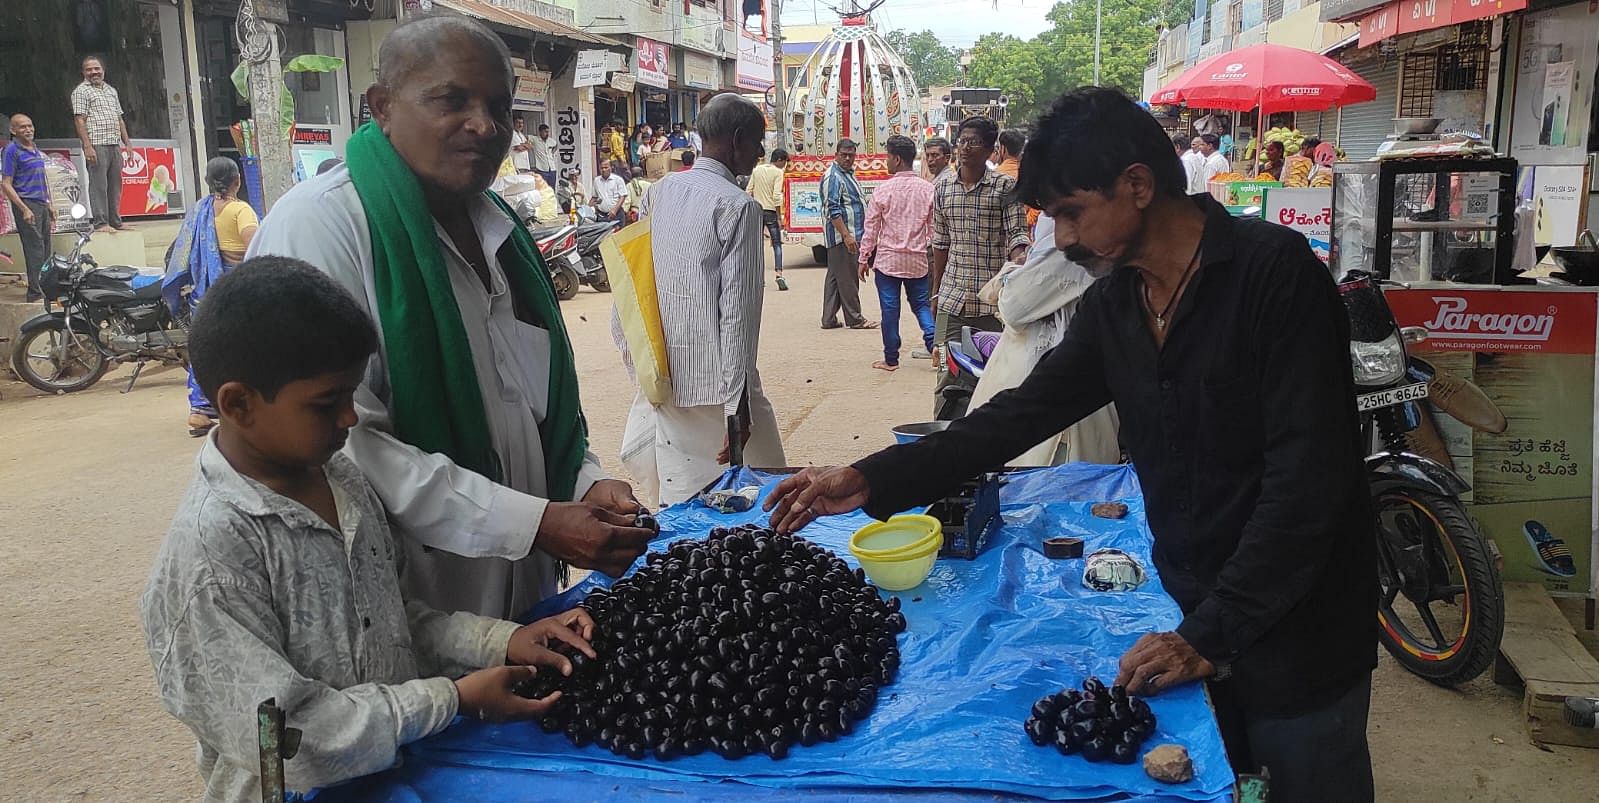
x: 986, y: 129
x: 273, y: 320
x: 940, y: 143
x: 1087, y: 139
x: 903, y: 147
x: 220, y: 173
x: 1013, y: 140
x: 1308, y: 146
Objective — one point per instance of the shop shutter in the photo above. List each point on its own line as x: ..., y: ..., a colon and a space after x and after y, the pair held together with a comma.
x: 1363, y: 126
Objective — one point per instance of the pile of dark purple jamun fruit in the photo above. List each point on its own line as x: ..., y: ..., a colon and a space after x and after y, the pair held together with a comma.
x: 745, y: 642
x: 1097, y: 723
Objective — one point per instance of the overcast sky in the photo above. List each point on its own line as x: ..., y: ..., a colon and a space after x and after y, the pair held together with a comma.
x: 956, y: 22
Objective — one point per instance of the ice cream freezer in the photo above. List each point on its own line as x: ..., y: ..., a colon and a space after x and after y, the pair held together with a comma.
x: 153, y: 177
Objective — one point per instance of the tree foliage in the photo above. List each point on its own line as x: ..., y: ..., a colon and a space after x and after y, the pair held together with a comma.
x: 930, y: 61
x: 1035, y: 71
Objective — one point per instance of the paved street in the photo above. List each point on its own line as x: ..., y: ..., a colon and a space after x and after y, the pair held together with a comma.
x: 89, y: 482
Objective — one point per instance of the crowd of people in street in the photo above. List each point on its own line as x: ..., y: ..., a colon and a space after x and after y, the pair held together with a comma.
x: 396, y: 451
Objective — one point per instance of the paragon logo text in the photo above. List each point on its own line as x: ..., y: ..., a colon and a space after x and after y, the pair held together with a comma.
x: 1454, y: 321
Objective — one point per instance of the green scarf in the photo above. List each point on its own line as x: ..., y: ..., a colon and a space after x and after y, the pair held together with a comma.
x: 435, y: 401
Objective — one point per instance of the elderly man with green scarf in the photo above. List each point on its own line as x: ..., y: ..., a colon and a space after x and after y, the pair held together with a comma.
x: 471, y: 429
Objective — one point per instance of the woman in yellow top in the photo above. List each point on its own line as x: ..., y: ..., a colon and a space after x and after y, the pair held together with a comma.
x: 213, y: 240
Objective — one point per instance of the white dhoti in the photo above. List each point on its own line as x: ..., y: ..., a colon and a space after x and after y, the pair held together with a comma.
x: 671, y: 451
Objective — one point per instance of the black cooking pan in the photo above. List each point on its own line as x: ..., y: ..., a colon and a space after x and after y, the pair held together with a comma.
x: 1580, y: 262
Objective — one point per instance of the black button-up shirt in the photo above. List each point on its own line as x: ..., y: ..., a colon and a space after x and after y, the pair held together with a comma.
x: 1245, y: 436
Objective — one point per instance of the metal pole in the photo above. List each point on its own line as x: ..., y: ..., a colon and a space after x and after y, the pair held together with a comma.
x: 779, y: 77
x: 1099, y: 6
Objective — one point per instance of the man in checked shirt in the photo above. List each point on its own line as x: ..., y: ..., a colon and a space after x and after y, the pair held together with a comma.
x: 977, y: 225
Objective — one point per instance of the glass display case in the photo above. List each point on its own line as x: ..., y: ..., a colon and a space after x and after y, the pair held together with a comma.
x: 1424, y: 219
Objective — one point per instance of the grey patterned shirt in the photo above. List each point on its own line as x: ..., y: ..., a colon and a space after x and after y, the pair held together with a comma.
x: 254, y: 596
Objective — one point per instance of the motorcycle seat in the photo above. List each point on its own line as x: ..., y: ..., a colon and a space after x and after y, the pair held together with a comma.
x: 541, y: 232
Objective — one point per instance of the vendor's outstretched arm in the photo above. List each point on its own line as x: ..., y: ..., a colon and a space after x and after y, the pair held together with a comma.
x: 1066, y: 386
x: 1312, y: 459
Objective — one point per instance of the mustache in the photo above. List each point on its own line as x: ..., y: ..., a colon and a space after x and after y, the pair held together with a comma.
x: 1079, y: 254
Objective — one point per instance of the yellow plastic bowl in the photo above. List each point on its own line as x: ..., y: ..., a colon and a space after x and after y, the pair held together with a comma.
x: 909, y: 548
x: 903, y: 534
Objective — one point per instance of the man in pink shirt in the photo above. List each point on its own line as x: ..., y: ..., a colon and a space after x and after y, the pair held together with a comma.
x: 899, y: 224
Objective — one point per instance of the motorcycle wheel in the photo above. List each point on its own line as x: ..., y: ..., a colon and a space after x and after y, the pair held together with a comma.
x: 600, y: 280
x: 1441, y: 604
x: 38, y: 359
x: 566, y: 281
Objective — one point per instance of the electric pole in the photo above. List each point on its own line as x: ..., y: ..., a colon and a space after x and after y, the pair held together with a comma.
x: 779, y: 77
x: 1099, y: 6
x: 258, y: 46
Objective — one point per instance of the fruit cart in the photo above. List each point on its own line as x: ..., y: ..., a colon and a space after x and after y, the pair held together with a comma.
x: 986, y: 638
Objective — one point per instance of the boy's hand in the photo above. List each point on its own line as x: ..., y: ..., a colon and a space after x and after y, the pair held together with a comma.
x: 486, y: 694
x: 531, y: 643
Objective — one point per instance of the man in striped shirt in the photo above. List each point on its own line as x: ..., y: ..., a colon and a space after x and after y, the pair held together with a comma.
x: 23, y: 180
x: 709, y: 270
x: 899, y: 224
x: 845, y: 207
x: 97, y: 115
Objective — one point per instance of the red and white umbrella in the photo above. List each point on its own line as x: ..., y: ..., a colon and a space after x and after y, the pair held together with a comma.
x: 1274, y: 77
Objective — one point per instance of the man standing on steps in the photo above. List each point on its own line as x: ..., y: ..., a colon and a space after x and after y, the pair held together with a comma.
x: 977, y: 225
x: 521, y: 156
x: 26, y: 186
x: 766, y: 187
x: 845, y: 207
x: 544, y: 155
x: 97, y: 115
x: 471, y: 429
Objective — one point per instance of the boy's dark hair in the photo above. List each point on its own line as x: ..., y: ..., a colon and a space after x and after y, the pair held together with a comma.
x: 273, y: 320
x: 903, y: 147
x: 939, y: 143
x: 778, y: 155
x: 1013, y: 140
x: 688, y: 158
x: 987, y: 130
x: 1087, y: 139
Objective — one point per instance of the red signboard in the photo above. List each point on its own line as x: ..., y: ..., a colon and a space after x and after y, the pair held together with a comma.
x: 148, y: 176
x: 1424, y: 15
x: 1379, y: 25
x: 1498, y: 320
x: 1468, y: 10
x: 1415, y: 16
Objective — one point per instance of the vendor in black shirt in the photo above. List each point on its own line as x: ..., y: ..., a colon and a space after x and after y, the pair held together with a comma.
x: 1224, y: 345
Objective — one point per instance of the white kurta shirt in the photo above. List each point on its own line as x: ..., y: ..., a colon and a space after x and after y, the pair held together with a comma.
x: 434, y: 503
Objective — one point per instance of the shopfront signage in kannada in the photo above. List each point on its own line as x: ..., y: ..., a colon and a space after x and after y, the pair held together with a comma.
x: 1307, y: 211
x: 623, y: 82
x: 1415, y: 16
x: 568, y: 131
x: 1517, y: 417
x: 532, y: 90
x: 590, y: 69
x: 754, y: 62
x: 651, y: 63
x: 701, y: 71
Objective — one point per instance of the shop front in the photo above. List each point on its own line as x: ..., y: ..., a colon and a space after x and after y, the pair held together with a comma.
x: 1549, y: 105
x: 700, y: 76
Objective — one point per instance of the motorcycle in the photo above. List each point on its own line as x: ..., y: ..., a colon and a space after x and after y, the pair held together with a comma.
x: 558, y: 246
x: 107, y: 316
x: 589, y: 237
x: 1441, y: 606
x: 964, y: 359
x: 572, y: 253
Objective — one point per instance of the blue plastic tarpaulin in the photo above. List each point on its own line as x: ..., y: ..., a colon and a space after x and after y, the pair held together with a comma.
x: 986, y: 638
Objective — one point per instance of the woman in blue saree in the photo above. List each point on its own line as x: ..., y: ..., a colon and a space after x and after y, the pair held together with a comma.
x: 213, y: 240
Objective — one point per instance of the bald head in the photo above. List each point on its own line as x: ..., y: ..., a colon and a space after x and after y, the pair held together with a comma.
x: 726, y: 115
x: 414, y: 47
x: 22, y: 129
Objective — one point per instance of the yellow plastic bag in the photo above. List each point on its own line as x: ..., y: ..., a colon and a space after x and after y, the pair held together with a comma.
x: 630, y: 265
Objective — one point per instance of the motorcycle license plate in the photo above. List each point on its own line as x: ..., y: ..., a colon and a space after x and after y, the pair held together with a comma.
x: 575, y: 259
x: 1390, y: 397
